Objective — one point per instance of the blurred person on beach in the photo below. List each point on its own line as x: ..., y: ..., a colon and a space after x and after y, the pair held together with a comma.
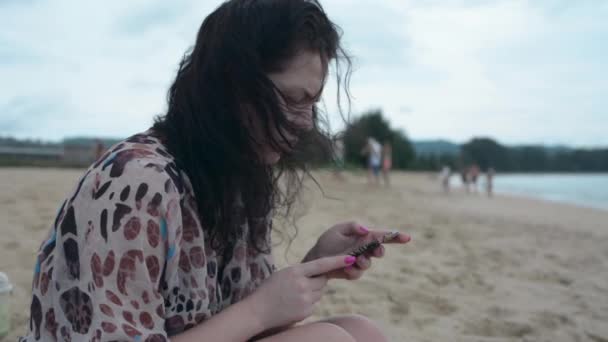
x: 338, y: 156
x: 168, y: 234
x: 387, y: 162
x: 473, y: 176
x: 99, y: 149
x: 444, y: 177
x: 464, y: 178
x: 373, y: 151
x: 490, y: 173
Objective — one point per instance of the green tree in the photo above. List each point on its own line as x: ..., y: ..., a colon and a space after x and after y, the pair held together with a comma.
x: 403, y: 152
x: 373, y: 124
x: 485, y: 152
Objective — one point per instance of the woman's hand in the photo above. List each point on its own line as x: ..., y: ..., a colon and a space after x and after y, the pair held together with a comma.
x: 289, y: 295
x: 344, y: 238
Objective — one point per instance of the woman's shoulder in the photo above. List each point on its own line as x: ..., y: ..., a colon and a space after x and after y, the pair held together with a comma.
x: 140, y: 158
x: 141, y: 146
x: 142, y: 149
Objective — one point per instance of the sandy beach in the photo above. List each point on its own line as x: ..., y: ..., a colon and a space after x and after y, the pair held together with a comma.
x: 477, y: 269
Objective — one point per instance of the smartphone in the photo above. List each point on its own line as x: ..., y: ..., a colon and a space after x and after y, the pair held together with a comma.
x: 370, y: 246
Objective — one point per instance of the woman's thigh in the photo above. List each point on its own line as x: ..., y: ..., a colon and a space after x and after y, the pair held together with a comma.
x: 317, y: 331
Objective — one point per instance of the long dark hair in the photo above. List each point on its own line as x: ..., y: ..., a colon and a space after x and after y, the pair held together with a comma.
x: 221, y: 82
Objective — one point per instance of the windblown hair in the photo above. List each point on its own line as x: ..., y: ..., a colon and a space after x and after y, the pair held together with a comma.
x: 221, y: 83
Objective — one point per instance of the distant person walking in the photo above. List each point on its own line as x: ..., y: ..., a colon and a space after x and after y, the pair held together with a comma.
x: 464, y: 177
x: 387, y: 162
x: 338, y: 153
x: 373, y: 151
x: 473, y: 176
x: 490, y: 173
x: 99, y: 149
x: 444, y: 177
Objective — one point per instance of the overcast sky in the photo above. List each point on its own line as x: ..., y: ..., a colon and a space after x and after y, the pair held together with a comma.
x: 518, y: 71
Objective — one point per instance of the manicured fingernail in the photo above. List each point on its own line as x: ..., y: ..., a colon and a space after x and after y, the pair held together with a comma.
x: 407, y: 238
x: 364, y: 229
x: 349, y: 260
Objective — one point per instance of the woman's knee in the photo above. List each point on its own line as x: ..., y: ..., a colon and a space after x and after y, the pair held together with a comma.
x: 317, y: 331
x: 360, y: 327
x: 332, y: 332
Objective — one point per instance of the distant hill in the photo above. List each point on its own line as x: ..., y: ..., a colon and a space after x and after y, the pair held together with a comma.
x: 13, y: 142
x: 551, y: 150
x: 435, y: 147
x: 445, y: 147
x: 85, y: 141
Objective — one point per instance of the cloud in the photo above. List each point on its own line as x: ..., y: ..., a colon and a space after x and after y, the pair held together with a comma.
x: 145, y: 18
x: 29, y: 113
x: 103, y: 76
x: 517, y: 70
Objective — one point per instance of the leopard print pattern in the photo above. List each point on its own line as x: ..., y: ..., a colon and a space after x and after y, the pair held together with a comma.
x: 127, y: 259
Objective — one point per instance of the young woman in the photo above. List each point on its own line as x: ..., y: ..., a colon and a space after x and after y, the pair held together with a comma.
x: 373, y: 151
x: 167, y: 236
x: 387, y: 162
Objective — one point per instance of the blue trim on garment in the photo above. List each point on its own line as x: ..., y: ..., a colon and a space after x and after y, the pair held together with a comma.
x: 52, y: 239
x: 163, y: 228
x: 109, y: 160
x: 171, y: 252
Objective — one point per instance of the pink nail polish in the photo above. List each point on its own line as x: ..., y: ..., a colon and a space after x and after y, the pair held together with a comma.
x: 350, y: 260
x: 408, y: 238
x: 364, y: 229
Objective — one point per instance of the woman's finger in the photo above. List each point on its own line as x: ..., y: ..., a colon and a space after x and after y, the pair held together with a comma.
x: 378, y: 252
x: 363, y: 262
x: 401, y: 238
x: 326, y: 264
x: 353, y: 273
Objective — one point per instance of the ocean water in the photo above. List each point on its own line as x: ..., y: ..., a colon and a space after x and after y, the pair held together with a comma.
x: 589, y: 190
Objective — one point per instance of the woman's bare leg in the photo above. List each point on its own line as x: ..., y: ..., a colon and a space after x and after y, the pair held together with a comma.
x: 387, y: 180
x: 359, y: 327
x: 312, y: 332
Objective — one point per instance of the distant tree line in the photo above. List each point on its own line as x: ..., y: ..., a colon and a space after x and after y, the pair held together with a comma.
x: 486, y: 152
x: 13, y: 142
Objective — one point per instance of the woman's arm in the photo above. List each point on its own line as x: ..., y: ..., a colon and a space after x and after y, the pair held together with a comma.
x: 238, y: 322
x: 286, y: 297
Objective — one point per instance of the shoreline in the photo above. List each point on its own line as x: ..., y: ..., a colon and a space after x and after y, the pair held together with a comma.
x: 570, y: 203
x: 525, y: 194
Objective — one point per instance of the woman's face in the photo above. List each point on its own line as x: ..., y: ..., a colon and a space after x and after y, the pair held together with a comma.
x: 301, y: 82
